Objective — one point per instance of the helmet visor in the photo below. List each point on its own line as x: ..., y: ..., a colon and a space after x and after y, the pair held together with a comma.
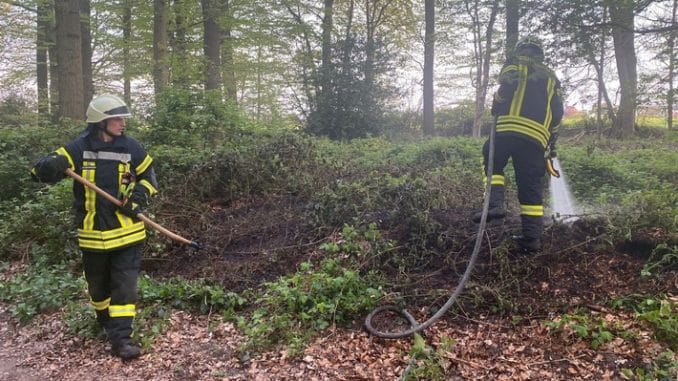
x: 118, y: 111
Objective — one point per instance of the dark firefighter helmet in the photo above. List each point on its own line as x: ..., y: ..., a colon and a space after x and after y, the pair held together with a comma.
x: 530, y: 46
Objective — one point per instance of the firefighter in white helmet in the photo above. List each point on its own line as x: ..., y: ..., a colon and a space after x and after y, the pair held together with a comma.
x: 110, y: 237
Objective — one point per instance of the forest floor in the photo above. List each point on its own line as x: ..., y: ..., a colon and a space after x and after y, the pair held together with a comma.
x: 571, y: 274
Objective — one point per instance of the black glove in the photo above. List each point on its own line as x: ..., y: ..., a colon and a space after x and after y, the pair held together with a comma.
x: 552, y: 145
x: 58, y: 163
x: 51, y: 168
x: 131, y: 209
x: 136, y: 203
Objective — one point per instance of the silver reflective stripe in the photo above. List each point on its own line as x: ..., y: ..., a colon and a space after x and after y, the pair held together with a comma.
x: 122, y: 157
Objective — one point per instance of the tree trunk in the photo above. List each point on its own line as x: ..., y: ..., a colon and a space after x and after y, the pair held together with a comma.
x: 160, y: 47
x: 670, y: 97
x: 512, y: 22
x: 228, y: 54
x: 482, y: 41
x: 69, y: 51
x: 86, y: 46
x: 348, y: 39
x: 599, y: 65
x: 126, y: 47
x: 326, y: 63
x: 211, y: 14
x: 180, y: 72
x: 372, y: 21
x: 53, y: 64
x: 44, y: 14
x: 621, y: 16
x: 309, y: 75
x: 429, y: 45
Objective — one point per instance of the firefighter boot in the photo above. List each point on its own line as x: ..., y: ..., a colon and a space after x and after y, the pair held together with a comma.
x: 125, y: 349
x: 530, y: 240
x: 496, y: 209
x: 119, y: 331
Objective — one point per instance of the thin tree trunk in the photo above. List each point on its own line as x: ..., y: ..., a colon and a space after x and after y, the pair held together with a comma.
x: 482, y: 42
x: 602, y: 90
x: 621, y: 16
x: 53, y: 64
x: 512, y: 22
x: 211, y: 14
x: 228, y: 55
x: 308, y: 68
x: 429, y: 48
x: 126, y: 55
x: 326, y: 62
x: 348, y: 39
x: 160, y: 46
x: 670, y: 97
x: 180, y: 73
x: 69, y: 51
x: 43, y: 17
x: 86, y: 46
x: 486, y: 56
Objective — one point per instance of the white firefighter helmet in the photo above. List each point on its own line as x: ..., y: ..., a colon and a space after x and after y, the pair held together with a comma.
x: 106, y: 106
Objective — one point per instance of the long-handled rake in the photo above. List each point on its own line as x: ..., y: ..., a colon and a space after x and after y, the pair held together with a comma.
x: 140, y: 216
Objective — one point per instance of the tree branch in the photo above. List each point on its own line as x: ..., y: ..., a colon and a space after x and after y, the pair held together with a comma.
x: 20, y: 5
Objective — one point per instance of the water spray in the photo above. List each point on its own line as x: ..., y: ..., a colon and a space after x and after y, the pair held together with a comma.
x: 563, y: 204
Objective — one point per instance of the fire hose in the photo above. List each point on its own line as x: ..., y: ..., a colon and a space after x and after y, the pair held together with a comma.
x: 414, y: 326
x: 140, y: 216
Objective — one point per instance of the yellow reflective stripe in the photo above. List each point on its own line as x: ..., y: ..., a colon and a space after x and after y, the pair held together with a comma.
x: 110, y: 234
x: 111, y: 239
x: 550, y: 87
x: 122, y: 169
x: 532, y: 210
x: 497, y: 180
x: 127, y: 310
x: 519, y: 95
x: 62, y: 151
x: 141, y: 168
x: 85, y: 243
x: 102, y: 305
x: 529, y: 127
x: 507, y: 69
x: 88, y: 172
x: 151, y: 189
x: 125, y: 221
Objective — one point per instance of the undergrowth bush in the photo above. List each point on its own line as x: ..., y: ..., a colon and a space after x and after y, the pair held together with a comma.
x: 292, y: 308
x: 193, y: 295
x: 43, y: 287
x: 42, y: 226
x: 19, y: 148
x: 632, y: 181
x: 192, y: 119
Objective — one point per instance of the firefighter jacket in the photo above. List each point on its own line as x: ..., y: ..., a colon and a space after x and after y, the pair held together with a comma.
x: 529, y: 102
x: 101, y: 225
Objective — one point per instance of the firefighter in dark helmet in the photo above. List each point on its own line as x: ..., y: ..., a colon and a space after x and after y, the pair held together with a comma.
x: 110, y: 237
x: 529, y: 107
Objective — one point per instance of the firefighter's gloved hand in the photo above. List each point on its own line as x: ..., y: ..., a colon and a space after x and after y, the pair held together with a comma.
x: 551, y: 150
x: 57, y: 163
x: 131, y: 209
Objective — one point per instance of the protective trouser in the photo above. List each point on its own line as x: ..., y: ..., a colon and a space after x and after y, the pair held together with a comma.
x: 530, y: 168
x: 112, y: 283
